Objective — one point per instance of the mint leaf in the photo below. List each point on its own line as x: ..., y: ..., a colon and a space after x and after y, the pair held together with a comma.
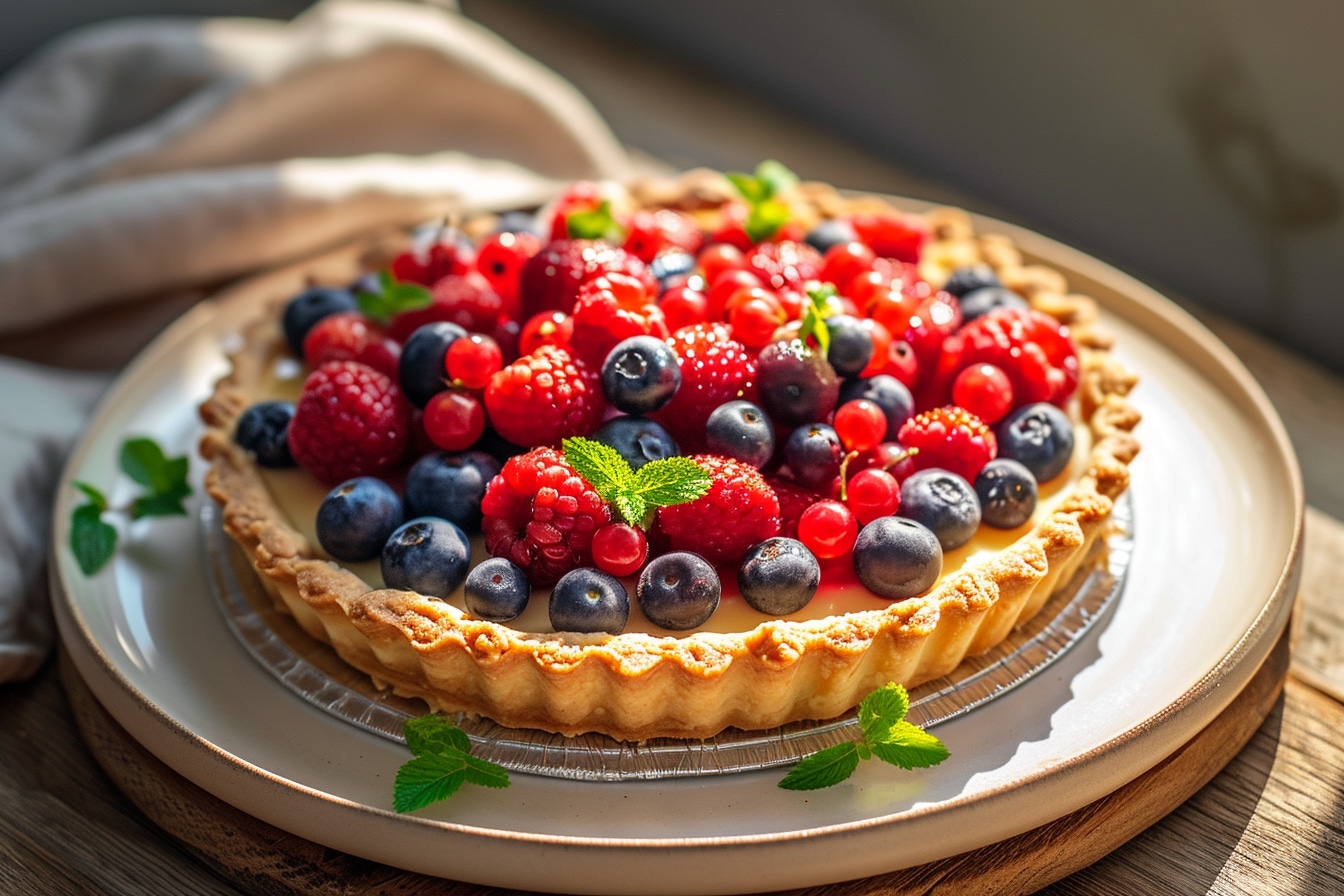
x: 600, y: 464
x: 92, y: 541
x: 765, y: 219
x: 823, y: 768
x: 157, y: 505
x: 820, y: 305
x: 97, y: 498
x: 766, y: 214
x: 594, y: 224
x: 442, y: 764
x: 635, y: 494
x: 392, y: 297
x: 884, y: 733
x: 776, y: 176
x: 671, y: 480
x: 144, y: 462
x: 750, y: 187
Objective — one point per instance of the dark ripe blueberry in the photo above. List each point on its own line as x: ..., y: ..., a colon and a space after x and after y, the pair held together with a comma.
x: 637, y: 439
x: 944, y: 503
x: 589, y: 600
x: 309, y: 307
x: 355, y: 519
x: 779, y: 576
x: 263, y: 429
x: 981, y: 301
x: 498, y: 447
x: 496, y: 590
x: 420, y: 370
x: 450, y: 486
x: 888, y: 393
x: 1007, y: 493
x: 517, y: 222
x: 1038, y: 436
x: 428, y: 555
x: 831, y: 232
x: 741, y: 430
x: 678, y: 591
x: 640, y: 375
x: 971, y: 277
x: 813, y: 453
x: 897, y: 558
x: 797, y: 385
x: 851, y: 345
x: 670, y: 268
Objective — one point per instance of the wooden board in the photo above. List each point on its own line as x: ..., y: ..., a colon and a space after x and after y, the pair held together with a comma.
x: 264, y: 860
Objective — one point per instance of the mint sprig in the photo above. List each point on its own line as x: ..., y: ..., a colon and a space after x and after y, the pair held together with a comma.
x: 635, y: 493
x: 595, y: 224
x: 392, y: 297
x: 883, y: 733
x: 93, y: 540
x: 766, y: 212
x: 822, y: 302
x: 442, y: 764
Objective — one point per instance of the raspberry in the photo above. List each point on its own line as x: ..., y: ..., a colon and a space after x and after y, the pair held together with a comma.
x: 552, y: 278
x: 350, y: 421
x: 653, y: 231
x: 543, y: 397
x: 436, y: 255
x: 715, y: 368
x: 350, y: 336
x: 609, y: 309
x: 793, y: 500
x: 467, y: 300
x: 950, y: 438
x: 739, y: 510
x: 541, y: 515
x: 785, y: 263
x: 1030, y: 346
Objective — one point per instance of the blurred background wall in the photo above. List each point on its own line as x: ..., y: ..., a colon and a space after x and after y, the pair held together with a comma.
x: 1196, y: 145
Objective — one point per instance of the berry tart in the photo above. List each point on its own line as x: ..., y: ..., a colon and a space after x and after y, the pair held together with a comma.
x: 674, y: 456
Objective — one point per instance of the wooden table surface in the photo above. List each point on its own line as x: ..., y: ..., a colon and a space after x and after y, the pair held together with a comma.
x: 1272, y: 822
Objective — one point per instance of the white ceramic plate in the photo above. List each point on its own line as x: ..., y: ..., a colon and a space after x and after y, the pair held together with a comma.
x: 1217, y: 506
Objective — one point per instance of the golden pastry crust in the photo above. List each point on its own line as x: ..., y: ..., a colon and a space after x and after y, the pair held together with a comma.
x: 636, y: 686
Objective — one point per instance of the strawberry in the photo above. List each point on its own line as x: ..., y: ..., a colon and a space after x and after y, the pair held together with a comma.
x: 552, y: 278
x: 715, y: 368
x: 950, y: 438
x: 611, y: 308
x: 350, y: 420
x: 541, y: 515
x: 543, y: 397
x: 739, y: 510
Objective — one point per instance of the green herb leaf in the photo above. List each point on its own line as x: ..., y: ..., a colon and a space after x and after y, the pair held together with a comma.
x: 766, y: 214
x: 92, y: 541
x: 821, y: 305
x: 144, y: 462
x: 765, y: 219
x: 884, y: 733
x: 776, y: 176
x: 158, y: 505
x: 635, y: 494
x: 594, y: 224
x: 97, y: 498
x: 442, y: 764
x: 823, y: 768
x: 392, y: 298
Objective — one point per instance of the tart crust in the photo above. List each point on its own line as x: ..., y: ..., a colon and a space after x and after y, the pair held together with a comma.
x: 635, y: 686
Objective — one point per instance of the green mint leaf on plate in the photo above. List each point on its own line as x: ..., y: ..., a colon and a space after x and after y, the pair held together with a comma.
x: 392, y: 297
x: 635, y: 494
x: 594, y: 224
x: 92, y: 541
x: 884, y: 734
x: 442, y: 764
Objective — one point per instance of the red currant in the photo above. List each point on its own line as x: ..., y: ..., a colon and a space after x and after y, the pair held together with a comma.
x: 473, y: 360
x: 500, y: 259
x: 984, y: 390
x: 861, y: 424
x: 454, y: 420
x: 890, y: 456
x: 722, y: 289
x: 845, y: 261
x: 619, y: 549
x: 716, y: 258
x: 683, y: 306
x: 755, y: 320
x: 545, y: 328
x: 828, y: 528
x: 872, y: 493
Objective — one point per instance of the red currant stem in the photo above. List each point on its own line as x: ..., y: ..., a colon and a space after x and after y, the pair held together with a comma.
x: 844, y: 475
x: 905, y: 455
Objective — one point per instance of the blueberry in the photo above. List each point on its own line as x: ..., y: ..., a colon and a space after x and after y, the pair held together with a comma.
x: 637, y: 439
x: 263, y: 429
x: 496, y: 590
x: 779, y: 576
x: 831, y: 232
x: 969, y: 278
x: 741, y: 430
x: 678, y: 591
x: 813, y: 454
x: 589, y: 600
x: 355, y: 519
x: 979, y: 302
x: 450, y: 486
x: 797, y: 385
x: 309, y: 307
x: 1038, y: 436
x: 420, y: 370
x: 888, y: 393
x: 897, y: 558
x: 1007, y: 493
x: 944, y: 503
x: 671, y: 268
x: 428, y: 555
x: 498, y: 447
x: 640, y: 375
x: 518, y: 222
x: 851, y: 345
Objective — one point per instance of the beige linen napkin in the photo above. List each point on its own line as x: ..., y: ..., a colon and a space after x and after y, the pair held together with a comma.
x: 147, y: 156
